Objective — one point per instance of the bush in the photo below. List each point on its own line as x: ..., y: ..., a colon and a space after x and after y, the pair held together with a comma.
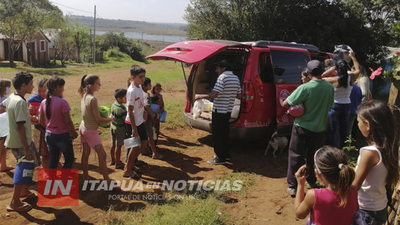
x: 115, y: 54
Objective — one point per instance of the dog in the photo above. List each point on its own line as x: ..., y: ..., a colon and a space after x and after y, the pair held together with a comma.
x: 276, y: 143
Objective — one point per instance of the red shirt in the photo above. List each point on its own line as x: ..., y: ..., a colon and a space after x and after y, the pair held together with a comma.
x: 326, y: 210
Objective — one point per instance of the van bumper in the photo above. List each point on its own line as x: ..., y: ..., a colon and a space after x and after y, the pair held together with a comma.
x: 253, y: 133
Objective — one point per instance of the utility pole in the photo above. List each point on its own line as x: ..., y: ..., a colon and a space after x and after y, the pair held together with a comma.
x: 94, y: 36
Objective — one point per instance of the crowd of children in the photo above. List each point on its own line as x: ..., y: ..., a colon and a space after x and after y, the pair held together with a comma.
x: 347, y: 191
x: 54, y: 130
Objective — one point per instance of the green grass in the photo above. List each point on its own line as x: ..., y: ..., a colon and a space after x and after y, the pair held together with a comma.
x: 174, y: 108
x: 187, y: 211
x: 183, y: 208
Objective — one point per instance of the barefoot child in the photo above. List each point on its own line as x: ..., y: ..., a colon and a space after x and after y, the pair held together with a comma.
x: 55, y: 117
x: 5, y: 89
x: 91, y: 118
x: 118, y: 129
x: 377, y: 164
x: 134, y: 119
x: 335, y: 204
x: 19, y: 139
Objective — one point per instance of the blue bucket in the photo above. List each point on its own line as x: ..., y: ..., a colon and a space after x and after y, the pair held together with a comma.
x: 23, y: 172
x: 155, y: 108
x: 163, y: 116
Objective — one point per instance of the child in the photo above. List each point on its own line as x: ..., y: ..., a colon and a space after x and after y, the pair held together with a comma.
x: 54, y: 115
x: 91, y: 118
x: 158, y: 99
x: 39, y: 131
x: 149, y: 117
x: 377, y: 164
x: 19, y: 139
x: 304, y: 77
x: 118, y: 129
x: 5, y: 89
x: 134, y: 119
x: 335, y: 204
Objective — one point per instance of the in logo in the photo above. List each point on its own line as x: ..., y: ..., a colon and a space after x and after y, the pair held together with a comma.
x: 58, y: 187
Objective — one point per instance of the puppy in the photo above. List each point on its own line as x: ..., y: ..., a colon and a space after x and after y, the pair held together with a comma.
x: 276, y: 143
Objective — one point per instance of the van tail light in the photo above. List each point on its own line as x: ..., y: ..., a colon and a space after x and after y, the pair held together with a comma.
x: 248, y: 96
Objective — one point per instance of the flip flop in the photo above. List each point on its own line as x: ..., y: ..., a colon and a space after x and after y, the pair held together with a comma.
x: 30, y: 195
x: 134, y: 175
x: 122, y: 166
x: 25, y: 207
x: 159, y: 157
x: 140, y: 163
x: 7, y: 169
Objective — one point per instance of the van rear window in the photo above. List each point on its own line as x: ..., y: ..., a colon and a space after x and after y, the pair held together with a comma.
x: 287, y: 66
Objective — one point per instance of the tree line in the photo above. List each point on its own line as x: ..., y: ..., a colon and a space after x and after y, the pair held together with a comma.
x: 365, y: 25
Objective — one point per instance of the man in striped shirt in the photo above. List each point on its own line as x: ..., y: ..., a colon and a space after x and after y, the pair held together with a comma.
x: 226, y: 89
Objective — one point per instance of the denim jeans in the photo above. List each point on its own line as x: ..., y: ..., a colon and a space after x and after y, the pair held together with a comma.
x: 375, y: 217
x: 57, y: 143
x: 339, y: 116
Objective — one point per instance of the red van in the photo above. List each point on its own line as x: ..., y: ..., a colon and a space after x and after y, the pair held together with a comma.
x: 268, y: 71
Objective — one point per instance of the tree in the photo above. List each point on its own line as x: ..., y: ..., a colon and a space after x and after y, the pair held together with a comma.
x: 63, y: 43
x: 132, y: 48
x: 81, y: 38
x: 324, y: 23
x: 20, y: 20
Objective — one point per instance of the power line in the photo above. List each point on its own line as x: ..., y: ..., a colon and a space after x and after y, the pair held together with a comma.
x: 72, y: 8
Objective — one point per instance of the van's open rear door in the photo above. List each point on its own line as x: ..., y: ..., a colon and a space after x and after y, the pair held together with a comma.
x: 288, y: 64
x: 192, y: 52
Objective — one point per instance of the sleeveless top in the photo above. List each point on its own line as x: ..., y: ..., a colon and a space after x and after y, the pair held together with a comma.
x: 342, y: 95
x: 372, y: 194
x: 326, y: 209
x: 88, y: 119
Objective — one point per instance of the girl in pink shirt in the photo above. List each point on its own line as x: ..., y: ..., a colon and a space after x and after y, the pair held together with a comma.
x: 55, y: 117
x: 335, y: 204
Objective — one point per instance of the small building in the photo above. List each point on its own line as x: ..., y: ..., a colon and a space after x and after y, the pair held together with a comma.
x: 39, y: 48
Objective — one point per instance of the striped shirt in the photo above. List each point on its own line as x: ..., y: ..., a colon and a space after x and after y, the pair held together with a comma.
x: 228, y: 86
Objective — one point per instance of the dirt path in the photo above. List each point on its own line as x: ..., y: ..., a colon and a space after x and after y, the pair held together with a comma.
x: 186, y: 152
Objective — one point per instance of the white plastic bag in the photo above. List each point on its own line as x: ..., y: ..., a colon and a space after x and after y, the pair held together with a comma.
x: 207, y: 105
x: 4, y: 124
x: 197, y: 108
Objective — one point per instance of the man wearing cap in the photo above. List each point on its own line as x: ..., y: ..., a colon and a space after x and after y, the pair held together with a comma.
x: 226, y: 89
x: 308, y: 132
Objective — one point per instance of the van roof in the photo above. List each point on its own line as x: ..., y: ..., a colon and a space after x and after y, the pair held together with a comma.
x: 266, y: 44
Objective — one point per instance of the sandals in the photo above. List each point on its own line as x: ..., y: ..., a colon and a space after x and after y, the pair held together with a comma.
x: 122, y: 166
x: 134, y: 175
x: 29, y: 196
x: 8, y: 168
x: 159, y: 157
x: 25, y: 207
x: 140, y: 163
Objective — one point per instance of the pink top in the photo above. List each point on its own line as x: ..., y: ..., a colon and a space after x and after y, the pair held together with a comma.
x: 326, y: 210
x: 56, y: 124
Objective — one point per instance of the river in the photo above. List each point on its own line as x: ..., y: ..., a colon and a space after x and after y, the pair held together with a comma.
x: 151, y: 37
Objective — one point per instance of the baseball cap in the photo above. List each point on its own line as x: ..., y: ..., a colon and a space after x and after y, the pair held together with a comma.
x: 315, y: 67
x: 223, y: 63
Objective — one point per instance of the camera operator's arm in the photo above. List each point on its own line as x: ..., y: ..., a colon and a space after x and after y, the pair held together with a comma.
x: 357, y: 70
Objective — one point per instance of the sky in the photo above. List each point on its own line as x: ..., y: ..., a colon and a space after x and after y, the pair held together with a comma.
x: 164, y: 11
